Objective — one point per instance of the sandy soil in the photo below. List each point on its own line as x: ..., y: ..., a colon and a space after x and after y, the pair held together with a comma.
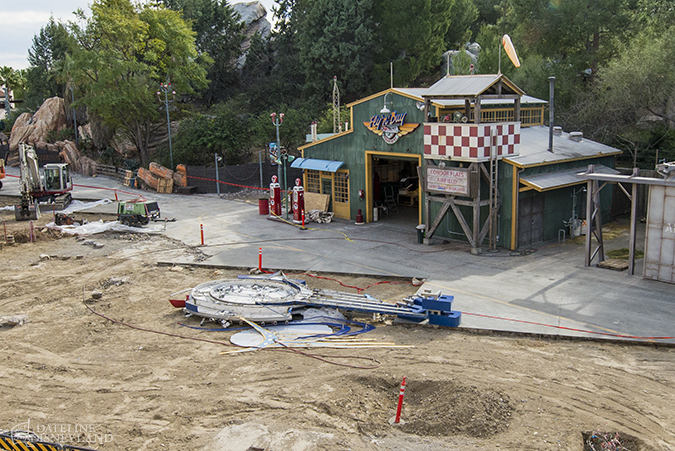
x: 76, y: 377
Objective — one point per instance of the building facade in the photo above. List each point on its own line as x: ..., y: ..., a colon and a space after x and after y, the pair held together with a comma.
x: 467, y: 157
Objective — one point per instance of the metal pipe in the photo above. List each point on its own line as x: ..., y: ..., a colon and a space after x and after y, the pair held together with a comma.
x: 217, y: 178
x: 550, y: 113
x: 72, y: 96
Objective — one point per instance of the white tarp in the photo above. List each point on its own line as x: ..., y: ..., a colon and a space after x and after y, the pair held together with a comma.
x: 92, y: 228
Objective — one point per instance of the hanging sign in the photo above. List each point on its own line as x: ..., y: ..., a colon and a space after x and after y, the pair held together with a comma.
x: 390, y: 126
x: 448, y: 180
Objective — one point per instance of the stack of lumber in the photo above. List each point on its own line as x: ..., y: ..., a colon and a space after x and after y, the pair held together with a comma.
x: 162, y: 179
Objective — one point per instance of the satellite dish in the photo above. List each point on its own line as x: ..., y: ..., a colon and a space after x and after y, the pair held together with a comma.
x: 510, y: 50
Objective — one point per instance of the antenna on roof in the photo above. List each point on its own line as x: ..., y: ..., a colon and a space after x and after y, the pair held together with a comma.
x: 336, y: 106
x: 391, y: 73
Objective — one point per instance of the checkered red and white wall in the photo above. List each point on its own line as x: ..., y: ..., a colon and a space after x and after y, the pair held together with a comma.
x: 470, y: 142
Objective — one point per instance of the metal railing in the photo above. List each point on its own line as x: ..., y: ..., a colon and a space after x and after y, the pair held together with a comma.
x: 111, y: 171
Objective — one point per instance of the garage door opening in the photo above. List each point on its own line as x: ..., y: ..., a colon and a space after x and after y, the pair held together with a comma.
x: 393, y: 188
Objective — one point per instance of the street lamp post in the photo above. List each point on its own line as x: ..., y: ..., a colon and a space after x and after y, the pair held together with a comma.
x: 72, y: 96
x: 277, y: 121
x: 166, y: 89
x: 218, y: 159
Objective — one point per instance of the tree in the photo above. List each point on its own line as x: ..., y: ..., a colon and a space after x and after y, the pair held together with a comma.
x: 46, y: 54
x: 582, y: 33
x: 12, y: 80
x: 632, y: 103
x: 335, y: 39
x: 221, y: 131
x: 219, y: 34
x: 123, y: 54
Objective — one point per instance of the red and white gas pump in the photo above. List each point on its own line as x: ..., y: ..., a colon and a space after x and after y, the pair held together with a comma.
x: 298, y: 202
x: 275, y: 197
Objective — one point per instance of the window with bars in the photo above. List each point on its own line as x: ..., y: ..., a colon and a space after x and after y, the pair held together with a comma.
x: 313, y: 182
x: 341, y: 187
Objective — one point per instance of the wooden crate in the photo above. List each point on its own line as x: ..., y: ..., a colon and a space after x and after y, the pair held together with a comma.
x: 128, y: 175
x: 315, y: 201
x: 164, y: 186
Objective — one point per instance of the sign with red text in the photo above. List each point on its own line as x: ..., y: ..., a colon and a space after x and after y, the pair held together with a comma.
x: 448, y: 180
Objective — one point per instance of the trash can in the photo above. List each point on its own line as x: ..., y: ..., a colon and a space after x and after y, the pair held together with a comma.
x: 264, y: 206
x: 420, y: 233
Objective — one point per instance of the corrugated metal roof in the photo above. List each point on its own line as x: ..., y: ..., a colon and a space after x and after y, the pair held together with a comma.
x: 558, y: 179
x: 534, y: 148
x: 524, y: 100
x: 316, y: 165
x: 419, y: 92
x: 461, y: 86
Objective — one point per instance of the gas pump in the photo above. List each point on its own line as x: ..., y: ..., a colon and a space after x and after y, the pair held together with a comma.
x: 298, y: 201
x: 275, y: 197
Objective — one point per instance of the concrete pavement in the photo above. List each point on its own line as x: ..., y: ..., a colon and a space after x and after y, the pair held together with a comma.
x: 537, y: 292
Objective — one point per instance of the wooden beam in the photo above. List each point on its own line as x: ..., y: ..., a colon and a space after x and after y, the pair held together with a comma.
x: 439, y: 217
x: 464, y: 224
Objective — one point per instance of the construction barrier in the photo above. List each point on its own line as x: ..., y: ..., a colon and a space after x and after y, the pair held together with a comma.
x: 26, y: 441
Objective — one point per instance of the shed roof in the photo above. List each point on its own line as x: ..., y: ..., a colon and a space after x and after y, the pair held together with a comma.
x: 559, y: 179
x: 534, y: 148
x: 467, y: 86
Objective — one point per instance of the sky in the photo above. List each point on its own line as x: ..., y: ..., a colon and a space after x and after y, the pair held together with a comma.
x: 22, y: 20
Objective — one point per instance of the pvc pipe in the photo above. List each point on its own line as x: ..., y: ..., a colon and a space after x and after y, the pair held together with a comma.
x: 400, y: 402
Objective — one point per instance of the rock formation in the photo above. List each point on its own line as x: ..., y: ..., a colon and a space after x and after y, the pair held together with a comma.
x: 254, y: 17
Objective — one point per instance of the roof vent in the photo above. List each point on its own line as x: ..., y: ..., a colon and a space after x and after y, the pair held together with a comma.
x: 576, y: 136
x: 557, y: 131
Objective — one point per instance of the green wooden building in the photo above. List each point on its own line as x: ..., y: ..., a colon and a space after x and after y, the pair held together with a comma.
x: 467, y: 157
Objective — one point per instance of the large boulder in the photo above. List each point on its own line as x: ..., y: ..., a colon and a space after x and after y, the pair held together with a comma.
x: 21, y: 131
x: 254, y: 17
x: 50, y: 116
x: 34, y: 129
x: 70, y: 154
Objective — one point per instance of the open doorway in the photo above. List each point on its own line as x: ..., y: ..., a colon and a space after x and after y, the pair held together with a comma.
x: 393, y: 188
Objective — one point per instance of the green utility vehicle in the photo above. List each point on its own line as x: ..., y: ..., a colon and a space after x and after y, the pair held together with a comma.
x: 137, y: 212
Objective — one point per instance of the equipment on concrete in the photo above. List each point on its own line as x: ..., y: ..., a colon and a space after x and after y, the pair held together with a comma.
x: 274, y: 298
x: 52, y: 184
x: 137, y: 212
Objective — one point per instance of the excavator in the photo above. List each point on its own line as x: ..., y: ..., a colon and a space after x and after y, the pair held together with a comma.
x: 53, y: 184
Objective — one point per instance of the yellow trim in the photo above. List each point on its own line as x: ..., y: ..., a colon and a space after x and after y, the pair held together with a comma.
x: 337, y: 135
x: 522, y: 189
x: 381, y: 93
x: 514, y: 206
x: 369, y: 180
x: 548, y: 163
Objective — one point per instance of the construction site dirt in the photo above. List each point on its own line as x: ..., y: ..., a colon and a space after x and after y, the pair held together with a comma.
x: 134, y: 377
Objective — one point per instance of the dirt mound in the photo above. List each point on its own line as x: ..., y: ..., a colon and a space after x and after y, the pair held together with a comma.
x: 431, y: 408
x: 450, y: 408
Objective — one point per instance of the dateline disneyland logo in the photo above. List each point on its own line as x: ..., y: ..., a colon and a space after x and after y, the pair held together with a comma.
x: 79, y: 434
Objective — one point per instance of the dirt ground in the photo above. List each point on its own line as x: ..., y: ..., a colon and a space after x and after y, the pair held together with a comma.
x: 78, y: 378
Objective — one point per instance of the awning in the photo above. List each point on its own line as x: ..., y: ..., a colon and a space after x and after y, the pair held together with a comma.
x: 560, y: 179
x: 317, y: 165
